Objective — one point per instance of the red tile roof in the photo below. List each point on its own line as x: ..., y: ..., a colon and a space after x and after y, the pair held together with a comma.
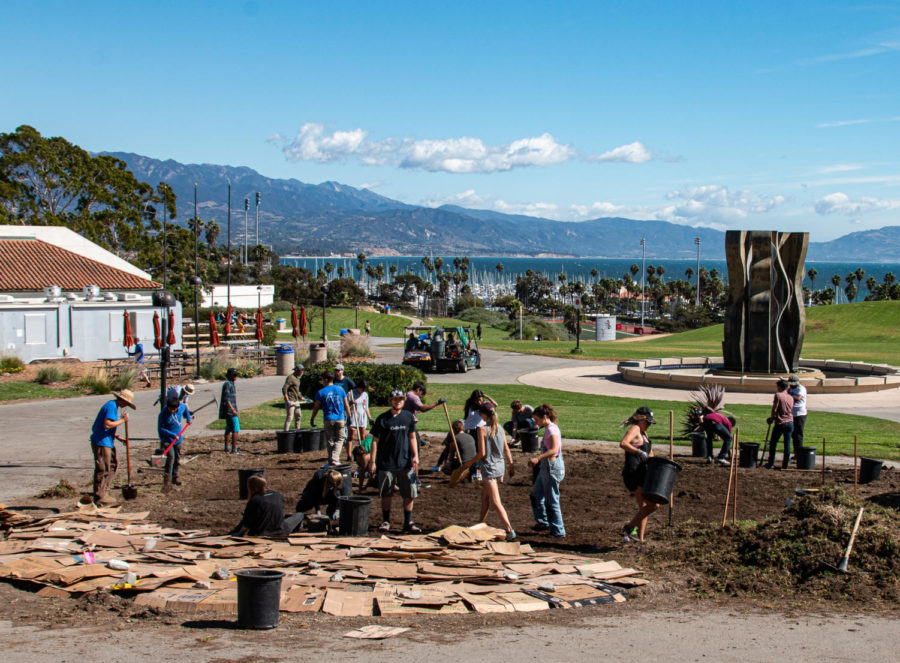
x: 30, y: 264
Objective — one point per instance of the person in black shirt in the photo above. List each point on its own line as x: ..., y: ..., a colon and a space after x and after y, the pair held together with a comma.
x: 264, y: 513
x: 395, y: 455
x: 323, y: 488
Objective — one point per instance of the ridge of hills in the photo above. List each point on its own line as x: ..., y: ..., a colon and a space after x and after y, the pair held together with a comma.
x: 297, y: 217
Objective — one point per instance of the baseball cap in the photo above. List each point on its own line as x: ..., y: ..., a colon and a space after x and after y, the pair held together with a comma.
x: 644, y: 412
x: 793, y: 379
x: 298, y: 367
x: 339, y: 367
x: 172, y: 401
x: 398, y: 393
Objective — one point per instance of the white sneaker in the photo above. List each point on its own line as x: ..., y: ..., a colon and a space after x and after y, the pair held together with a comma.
x: 384, y: 527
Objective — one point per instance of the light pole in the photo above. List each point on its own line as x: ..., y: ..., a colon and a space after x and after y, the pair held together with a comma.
x: 196, y: 281
x: 257, y: 218
x: 324, y: 295
x: 697, y: 300
x: 643, y: 276
x: 246, y: 209
x: 259, y: 296
x: 228, y: 287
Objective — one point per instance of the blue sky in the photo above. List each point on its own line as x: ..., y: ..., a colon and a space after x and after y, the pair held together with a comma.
x: 780, y: 115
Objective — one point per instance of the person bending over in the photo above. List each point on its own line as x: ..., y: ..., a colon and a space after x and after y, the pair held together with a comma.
x: 264, y: 513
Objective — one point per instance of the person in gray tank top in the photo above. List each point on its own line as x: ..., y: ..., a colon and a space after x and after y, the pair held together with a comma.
x: 494, y: 456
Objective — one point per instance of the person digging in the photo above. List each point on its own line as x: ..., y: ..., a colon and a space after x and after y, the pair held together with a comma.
x: 103, y: 436
x: 168, y: 426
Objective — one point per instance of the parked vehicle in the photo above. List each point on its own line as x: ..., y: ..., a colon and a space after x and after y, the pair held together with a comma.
x: 441, y: 349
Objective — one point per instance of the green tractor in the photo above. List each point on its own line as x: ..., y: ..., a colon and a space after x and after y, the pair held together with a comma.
x: 441, y: 349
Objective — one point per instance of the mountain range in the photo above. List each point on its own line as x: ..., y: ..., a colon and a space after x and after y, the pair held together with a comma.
x: 314, y: 219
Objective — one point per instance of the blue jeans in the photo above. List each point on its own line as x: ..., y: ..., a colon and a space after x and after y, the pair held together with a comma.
x: 779, y: 430
x: 545, y: 496
x: 712, y: 429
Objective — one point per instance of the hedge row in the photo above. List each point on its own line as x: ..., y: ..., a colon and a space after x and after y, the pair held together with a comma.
x: 382, y: 379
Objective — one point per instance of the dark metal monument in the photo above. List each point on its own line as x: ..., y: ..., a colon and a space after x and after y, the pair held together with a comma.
x: 765, y: 319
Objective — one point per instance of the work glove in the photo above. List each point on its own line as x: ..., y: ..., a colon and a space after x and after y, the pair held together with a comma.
x: 643, y: 455
x: 441, y: 401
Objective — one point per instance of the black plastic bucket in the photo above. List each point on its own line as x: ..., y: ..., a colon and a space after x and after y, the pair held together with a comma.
x: 530, y: 441
x: 243, y: 475
x: 869, y: 469
x: 698, y: 444
x: 307, y: 440
x: 354, y: 519
x: 258, y: 597
x: 806, y: 458
x: 661, y: 475
x: 322, y: 440
x: 346, y: 471
x: 748, y: 454
x: 286, y: 441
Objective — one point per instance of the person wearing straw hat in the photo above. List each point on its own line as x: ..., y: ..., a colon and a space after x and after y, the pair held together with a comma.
x: 103, y: 437
x: 638, y: 449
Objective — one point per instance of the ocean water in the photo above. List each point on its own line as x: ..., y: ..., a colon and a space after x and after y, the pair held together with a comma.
x: 483, y: 270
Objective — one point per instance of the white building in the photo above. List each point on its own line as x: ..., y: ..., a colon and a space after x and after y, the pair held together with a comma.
x: 242, y: 296
x: 63, y: 296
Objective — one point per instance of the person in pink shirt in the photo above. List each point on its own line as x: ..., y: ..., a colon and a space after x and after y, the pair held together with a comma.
x: 783, y: 419
x: 716, y: 423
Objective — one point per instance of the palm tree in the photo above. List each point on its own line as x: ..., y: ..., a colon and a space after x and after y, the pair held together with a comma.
x: 860, y: 274
x: 340, y: 272
x: 851, y: 286
x: 438, y: 265
x: 360, y: 263
x: 634, y: 269
x: 812, y: 274
x: 328, y: 268
x: 499, y: 268
x: 836, y: 282
x: 595, y: 274
x: 426, y: 263
x: 689, y: 273
x: 871, y: 284
x: 889, y: 278
x: 393, y: 270
x: 660, y: 270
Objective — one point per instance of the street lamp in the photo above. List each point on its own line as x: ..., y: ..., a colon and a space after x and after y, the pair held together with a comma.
x: 643, y: 276
x: 259, y: 296
x: 257, y: 218
x: 697, y: 242
x: 246, y: 209
x: 324, y: 296
x: 228, y: 287
x: 196, y: 282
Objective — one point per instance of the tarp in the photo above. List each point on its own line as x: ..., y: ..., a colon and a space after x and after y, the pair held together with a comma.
x: 259, y: 324
x: 228, y: 321
x: 213, y: 334
x: 171, y: 340
x: 157, y: 333
x: 303, y: 321
x: 295, y: 331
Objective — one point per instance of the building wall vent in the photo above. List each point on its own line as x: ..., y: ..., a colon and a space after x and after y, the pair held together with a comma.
x: 91, y: 292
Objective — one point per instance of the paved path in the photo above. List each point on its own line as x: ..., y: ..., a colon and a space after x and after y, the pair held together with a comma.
x: 602, y: 379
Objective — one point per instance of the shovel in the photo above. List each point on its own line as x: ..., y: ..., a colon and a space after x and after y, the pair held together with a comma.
x: 129, y: 492
x: 842, y: 567
x: 157, y: 460
x: 765, y: 445
x: 460, y: 472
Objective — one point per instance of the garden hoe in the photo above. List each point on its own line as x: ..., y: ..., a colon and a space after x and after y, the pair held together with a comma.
x: 842, y: 567
x: 158, y: 459
x: 129, y: 492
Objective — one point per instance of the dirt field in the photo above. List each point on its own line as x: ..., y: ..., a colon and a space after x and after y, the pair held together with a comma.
x: 687, y: 559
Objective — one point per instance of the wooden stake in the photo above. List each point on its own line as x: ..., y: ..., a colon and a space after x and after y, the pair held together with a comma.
x: 823, y: 461
x: 855, y: 469
x: 734, y: 464
x: 728, y: 493
x: 671, y: 457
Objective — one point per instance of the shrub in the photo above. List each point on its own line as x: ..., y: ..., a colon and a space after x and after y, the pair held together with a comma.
x: 124, y: 380
x: 532, y: 327
x: 279, y: 305
x: 215, y: 368
x: 51, y: 374
x: 382, y: 378
x: 95, y: 383
x: 269, y: 334
x: 11, y: 364
x: 353, y: 345
x: 485, y: 317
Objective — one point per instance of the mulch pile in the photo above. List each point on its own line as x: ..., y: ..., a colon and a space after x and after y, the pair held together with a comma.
x: 454, y: 570
x: 792, y: 554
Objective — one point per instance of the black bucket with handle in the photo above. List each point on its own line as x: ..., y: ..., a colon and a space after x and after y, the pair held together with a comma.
x: 748, y: 454
x: 286, y: 441
x: 530, y: 440
x: 806, y: 458
x: 354, y: 519
x: 258, y: 597
x: 869, y: 470
x: 243, y: 475
x: 660, y: 480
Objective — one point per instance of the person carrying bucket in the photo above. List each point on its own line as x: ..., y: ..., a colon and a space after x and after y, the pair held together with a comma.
x: 638, y: 449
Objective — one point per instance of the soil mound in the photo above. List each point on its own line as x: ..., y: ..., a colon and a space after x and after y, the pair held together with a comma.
x: 787, y: 556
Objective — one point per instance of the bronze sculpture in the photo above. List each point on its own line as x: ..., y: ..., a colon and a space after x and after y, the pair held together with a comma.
x: 765, y: 319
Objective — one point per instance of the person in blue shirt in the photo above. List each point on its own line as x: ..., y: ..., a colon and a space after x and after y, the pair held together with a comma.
x: 228, y: 410
x: 103, y: 437
x: 138, y: 355
x: 332, y: 400
x: 168, y: 426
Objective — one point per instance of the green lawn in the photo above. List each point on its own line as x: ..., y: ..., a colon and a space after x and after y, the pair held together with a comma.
x: 24, y: 389
x: 343, y: 318
x: 865, y: 331
x: 591, y: 417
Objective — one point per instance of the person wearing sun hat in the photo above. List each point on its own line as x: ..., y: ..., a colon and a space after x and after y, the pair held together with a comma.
x: 103, y: 437
x: 638, y: 449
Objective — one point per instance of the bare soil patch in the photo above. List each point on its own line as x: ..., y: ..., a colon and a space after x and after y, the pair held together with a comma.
x: 772, y: 559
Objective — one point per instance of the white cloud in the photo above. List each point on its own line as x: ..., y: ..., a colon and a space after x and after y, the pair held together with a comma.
x: 449, y: 155
x: 838, y: 168
x: 847, y: 123
x: 632, y: 153
x: 716, y: 203
x: 840, y: 203
x: 371, y: 185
